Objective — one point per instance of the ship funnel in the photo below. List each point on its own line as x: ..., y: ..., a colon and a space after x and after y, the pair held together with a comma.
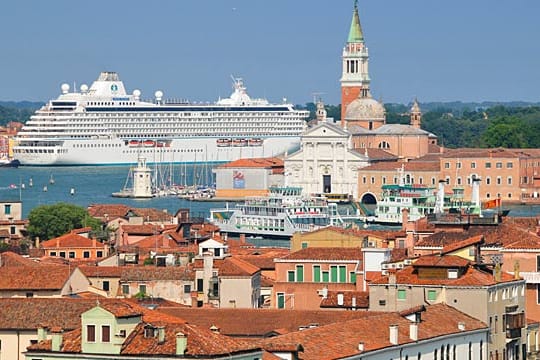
x: 439, y: 203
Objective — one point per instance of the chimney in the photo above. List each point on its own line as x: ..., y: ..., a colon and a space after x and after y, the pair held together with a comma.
x: 461, y: 326
x: 208, y: 265
x: 42, y: 333
x: 194, y: 299
x: 360, y: 346
x: 404, y: 218
x: 340, y: 299
x: 353, y: 302
x: 56, y: 340
x: 94, y: 242
x: 497, y: 273
x: 57, y: 242
x: 181, y: 343
x: 413, y: 331
x: 161, y: 335
x: 37, y: 242
x: 242, y: 238
x: 391, y: 277
x: 516, y: 270
x: 393, y: 334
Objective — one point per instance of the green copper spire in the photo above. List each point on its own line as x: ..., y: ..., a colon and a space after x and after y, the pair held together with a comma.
x: 355, y: 33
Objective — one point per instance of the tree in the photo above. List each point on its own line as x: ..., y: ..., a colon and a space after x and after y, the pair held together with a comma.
x: 50, y: 221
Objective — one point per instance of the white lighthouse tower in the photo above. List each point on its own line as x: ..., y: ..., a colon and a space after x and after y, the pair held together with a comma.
x: 142, y: 180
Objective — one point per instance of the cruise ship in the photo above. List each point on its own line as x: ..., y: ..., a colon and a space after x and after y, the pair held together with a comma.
x: 104, y: 125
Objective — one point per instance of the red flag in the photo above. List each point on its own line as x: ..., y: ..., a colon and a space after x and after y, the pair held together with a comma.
x: 490, y: 204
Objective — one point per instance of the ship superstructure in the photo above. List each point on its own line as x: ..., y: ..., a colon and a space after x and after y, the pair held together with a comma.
x: 104, y: 125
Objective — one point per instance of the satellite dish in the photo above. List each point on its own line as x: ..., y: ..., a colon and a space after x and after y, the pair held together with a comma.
x: 65, y: 88
x: 84, y: 88
x: 158, y: 94
x: 137, y: 93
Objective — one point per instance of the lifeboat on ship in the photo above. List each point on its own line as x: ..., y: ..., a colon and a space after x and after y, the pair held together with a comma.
x: 255, y: 142
x: 134, y: 143
x: 223, y: 142
x: 149, y: 143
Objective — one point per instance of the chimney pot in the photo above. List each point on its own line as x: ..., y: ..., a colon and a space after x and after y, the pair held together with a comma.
x: 361, y: 346
x: 461, y: 326
x: 393, y: 334
x: 181, y: 343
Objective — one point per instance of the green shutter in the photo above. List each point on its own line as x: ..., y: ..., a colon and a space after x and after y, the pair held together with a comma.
x: 300, y: 273
x: 325, y: 276
x: 280, y: 301
x: 401, y: 294
x: 352, y: 275
x: 333, y: 273
x: 316, y: 273
x: 290, y: 276
x: 432, y: 295
x: 342, y: 274
x: 304, y: 245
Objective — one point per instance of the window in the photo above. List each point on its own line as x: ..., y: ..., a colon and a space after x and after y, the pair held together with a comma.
x: 62, y: 254
x: 432, y: 295
x: 447, y: 165
x: 91, y: 333
x: 300, y: 273
x: 488, y: 180
x: 290, y: 276
x: 401, y: 294
x: 458, y: 165
x: 142, y: 288
x: 280, y: 300
x: 499, y: 180
x: 106, y: 286
x: 538, y: 293
x: 12, y: 230
x: 187, y: 288
x: 488, y: 165
x: 86, y: 254
x: 498, y: 165
x: 473, y: 165
x: 304, y: 245
x: 538, y: 263
x: 99, y: 254
x: 29, y: 294
x: 509, y: 165
x: 105, y: 333
x: 382, y: 302
x: 72, y: 254
x: 52, y: 253
x: 325, y: 276
x: 125, y: 289
x: 452, y: 273
x: 333, y: 273
x: 509, y: 180
x: 352, y: 277
x: 316, y: 273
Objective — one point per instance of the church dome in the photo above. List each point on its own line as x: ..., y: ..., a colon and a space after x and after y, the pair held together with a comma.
x: 365, y: 109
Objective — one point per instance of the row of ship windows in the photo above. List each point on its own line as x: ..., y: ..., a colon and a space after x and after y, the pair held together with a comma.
x: 186, y: 114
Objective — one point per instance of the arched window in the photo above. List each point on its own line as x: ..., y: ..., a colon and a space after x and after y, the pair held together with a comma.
x: 384, y: 145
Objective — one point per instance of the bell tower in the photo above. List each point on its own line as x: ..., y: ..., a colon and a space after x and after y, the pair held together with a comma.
x: 416, y: 115
x: 354, y: 75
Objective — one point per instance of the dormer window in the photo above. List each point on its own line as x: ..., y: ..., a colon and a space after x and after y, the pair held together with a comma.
x: 452, y: 273
x: 149, y: 331
x: 91, y: 333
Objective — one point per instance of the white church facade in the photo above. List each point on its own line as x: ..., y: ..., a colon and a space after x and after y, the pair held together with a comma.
x: 325, y: 163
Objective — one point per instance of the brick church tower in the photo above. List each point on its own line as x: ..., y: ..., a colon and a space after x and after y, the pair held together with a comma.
x: 355, y: 78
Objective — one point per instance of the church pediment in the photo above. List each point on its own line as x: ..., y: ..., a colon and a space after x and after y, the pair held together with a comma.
x: 325, y: 130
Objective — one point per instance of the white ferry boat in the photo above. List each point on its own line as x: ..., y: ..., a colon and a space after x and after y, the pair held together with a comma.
x: 104, y: 125
x: 279, y: 215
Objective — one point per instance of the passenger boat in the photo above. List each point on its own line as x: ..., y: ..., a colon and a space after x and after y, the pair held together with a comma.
x: 282, y: 213
x: 223, y: 142
x: 105, y: 125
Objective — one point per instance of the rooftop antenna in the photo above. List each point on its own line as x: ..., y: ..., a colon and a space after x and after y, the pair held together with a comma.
x: 317, y: 96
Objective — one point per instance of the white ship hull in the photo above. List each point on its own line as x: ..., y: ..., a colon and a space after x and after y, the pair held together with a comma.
x: 117, y: 152
x: 104, y: 125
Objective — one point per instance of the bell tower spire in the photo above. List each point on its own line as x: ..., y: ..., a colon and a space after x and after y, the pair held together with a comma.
x: 354, y: 75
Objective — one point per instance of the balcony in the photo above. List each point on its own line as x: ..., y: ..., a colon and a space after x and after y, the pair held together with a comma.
x: 514, y: 323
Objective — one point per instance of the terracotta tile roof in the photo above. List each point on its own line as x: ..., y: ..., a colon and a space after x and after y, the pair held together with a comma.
x: 114, y: 211
x: 378, y: 154
x: 146, y: 229
x: 101, y: 271
x: 361, y: 233
x: 71, y: 240
x: 472, y: 277
x: 478, y: 239
x: 200, y: 342
x: 267, y: 281
x: 529, y: 243
x: 232, y: 266
x: 261, y: 261
x: 397, y: 255
x: 260, y: 322
x: 361, y: 300
x: 324, y: 253
x: 10, y: 259
x: 153, y: 273
x: 121, y: 309
x: 408, y: 166
x: 253, y: 251
x: 44, y: 277
x: 438, y: 320
x: 441, y: 261
x: 264, y: 163
x: 494, y: 236
x: 487, y: 153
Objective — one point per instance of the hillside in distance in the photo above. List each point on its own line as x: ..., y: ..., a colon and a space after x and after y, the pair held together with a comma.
x: 514, y: 124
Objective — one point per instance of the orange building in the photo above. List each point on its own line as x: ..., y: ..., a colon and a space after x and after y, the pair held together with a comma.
x: 75, y: 246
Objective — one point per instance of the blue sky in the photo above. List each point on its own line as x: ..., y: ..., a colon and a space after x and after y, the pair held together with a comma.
x: 434, y: 50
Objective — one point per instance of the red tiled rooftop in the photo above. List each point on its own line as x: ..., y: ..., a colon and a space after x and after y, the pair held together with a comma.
x: 478, y: 239
x: 10, y: 259
x: 264, y: 163
x: 361, y: 300
x: 325, y: 253
x: 232, y: 266
x: 408, y: 166
x: 441, y: 261
x: 71, y: 240
x: 43, y: 277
